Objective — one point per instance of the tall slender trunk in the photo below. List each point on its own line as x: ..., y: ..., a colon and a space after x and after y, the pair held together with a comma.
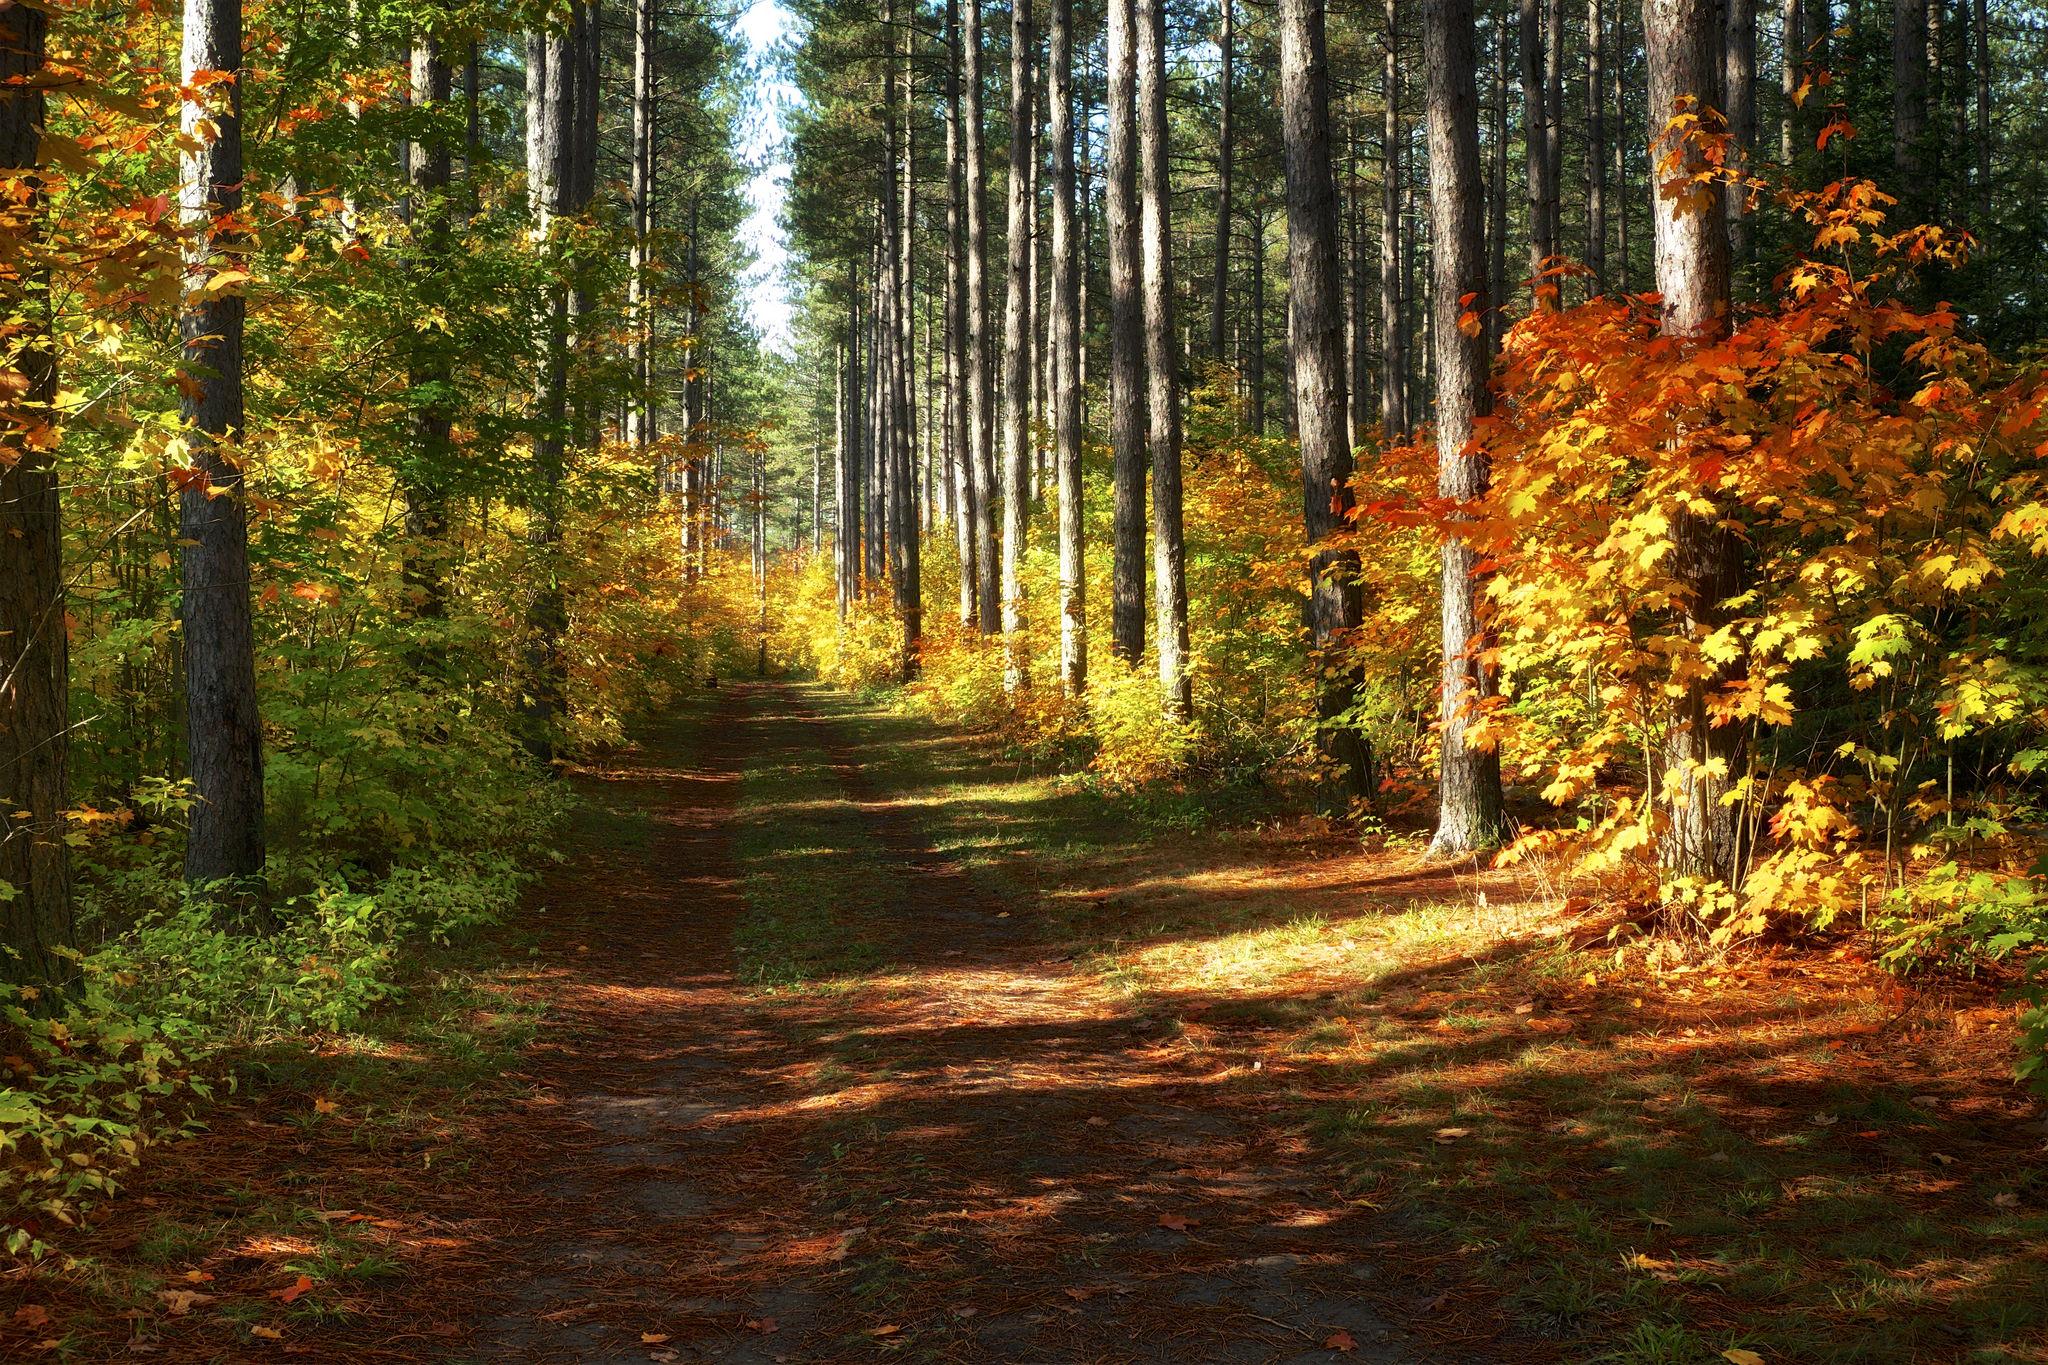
x: 1535, y: 146
x: 1909, y: 86
x: 1219, y: 297
x: 1468, y: 792
x: 1155, y: 214
x: 1703, y: 761
x: 1315, y: 336
x: 1622, y: 196
x: 1793, y: 58
x: 1126, y: 344
x: 980, y: 373
x: 36, y: 922
x: 225, y: 727
x: 1359, y: 394
x: 846, y: 473
x: 1553, y: 125
x: 1393, y: 331
x: 1016, y: 471
x: 904, y: 547
x: 1066, y: 354
x: 1497, y: 196
x: 640, y: 423
x: 1596, y: 143
x: 1980, y: 31
x: 1255, y: 366
x: 428, y: 166
x: 960, y: 371
x: 1738, y: 96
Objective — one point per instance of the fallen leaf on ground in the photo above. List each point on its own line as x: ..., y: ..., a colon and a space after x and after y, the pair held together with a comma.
x: 1737, y: 1355
x: 653, y: 1338
x: 1175, y: 1222
x: 182, y: 1301
x: 296, y: 1291
x: 762, y: 1325
x: 886, y: 1330
x: 1340, y: 1341
x: 1452, y: 1134
x: 31, y: 1315
x: 323, y: 1105
x: 267, y: 1333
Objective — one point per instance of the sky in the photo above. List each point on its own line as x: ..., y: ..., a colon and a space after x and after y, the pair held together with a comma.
x: 764, y: 147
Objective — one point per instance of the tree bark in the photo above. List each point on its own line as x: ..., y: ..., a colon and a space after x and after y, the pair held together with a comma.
x: 1066, y: 356
x: 424, y: 486
x: 1255, y: 368
x: 1126, y: 343
x: 1393, y: 325
x: 1497, y: 196
x: 1981, y: 34
x: 36, y: 922
x: 1469, y: 806
x: 1909, y: 86
x: 959, y: 360
x: 1596, y: 143
x: 1016, y: 472
x: 1315, y: 335
x: 1702, y: 761
x: 1738, y: 95
x: 897, y: 251
x: 1535, y: 153
x: 1553, y: 125
x: 225, y: 727
x: 1155, y: 213
x: 1219, y: 296
x: 1793, y: 58
x: 640, y: 425
x: 981, y: 376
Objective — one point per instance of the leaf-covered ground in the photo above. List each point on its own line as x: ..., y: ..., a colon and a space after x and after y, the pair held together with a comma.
x: 839, y: 1039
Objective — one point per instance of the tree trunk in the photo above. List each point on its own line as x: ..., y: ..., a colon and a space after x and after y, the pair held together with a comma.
x: 225, y: 726
x: 1553, y: 126
x: 1794, y: 56
x: 1393, y: 329
x: 1981, y: 33
x: 1016, y: 471
x: 1909, y: 87
x: 424, y: 486
x: 980, y: 373
x: 1621, y: 140
x: 1535, y: 147
x: 1315, y: 336
x: 640, y: 402
x: 1738, y: 94
x: 36, y: 925
x: 1469, y: 795
x: 1066, y: 355
x: 1497, y: 198
x: 1596, y: 143
x: 1155, y: 213
x: 1255, y: 370
x: 960, y: 369
x: 1702, y: 761
x: 1126, y: 344
x: 1219, y: 297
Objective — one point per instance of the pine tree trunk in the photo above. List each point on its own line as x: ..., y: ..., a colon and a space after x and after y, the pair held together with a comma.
x: 1534, y: 143
x: 1219, y: 297
x: 36, y: 923
x: 900, y: 253
x: 1066, y: 355
x: 1702, y: 761
x: 1016, y: 472
x: 1981, y: 33
x: 1315, y: 336
x: 1738, y: 94
x: 225, y: 726
x: 640, y: 427
x: 426, y: 500
x: 1596, y: 144
x: 960, y: 371
x: 981, y: 374
x: 1622, y: 195
x: 1255, y: 367
x: 1155, y: 214
x: 1909, y: 87
x: 1127, y: 395
x: 1497, y: 198
x: 1794, y: 56
x: 1393, y: 330
x: 1469, y: 794
x: 1553, y: 125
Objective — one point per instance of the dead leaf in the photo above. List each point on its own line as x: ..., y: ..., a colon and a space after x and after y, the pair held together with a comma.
x: 765, y: 1326
x: 1177, y: 1222
x: 1825, y: 1120
x: 653, y: 1338
x: 31, y: 1315
x: 1449, y: 1135
x: 267, y: 1333
x: 2007, y: 1200
x: 1340, y: 1341
x: 1737, y: 1355
x: 296, y: 1291
x: 886, y: 1330
x: 323, y: 1105
x: 182, y: 1301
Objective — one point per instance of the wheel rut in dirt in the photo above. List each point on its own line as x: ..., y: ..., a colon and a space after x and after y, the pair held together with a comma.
x: 966, y: 1150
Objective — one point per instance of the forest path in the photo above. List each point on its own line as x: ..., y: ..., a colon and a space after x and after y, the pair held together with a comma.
x: 813, y: 1092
